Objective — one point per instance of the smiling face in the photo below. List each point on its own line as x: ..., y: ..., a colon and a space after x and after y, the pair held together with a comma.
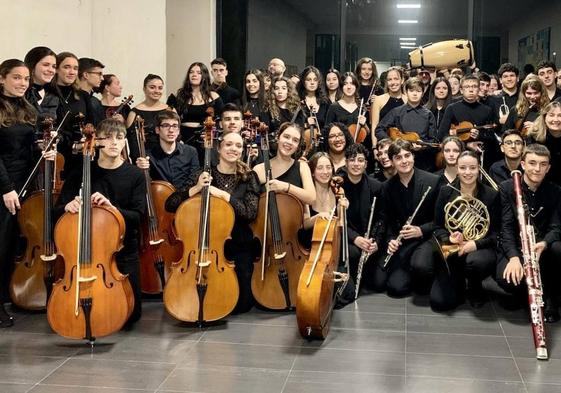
x: 336, y: 140
x: 547, y: 76
x: 349, y: 88
x: 553, y: 119
x: 509, y: 80
x: 67, y: 71
x: 324, y: 171
x: 288, y: 141
x: 468, y: 170
x: 356, y: 165
x: 231, y: 147
x: 154, y: 89
x: 394, y: 81
x: 16, y: 82
x: 252, y: 85
x: 232, y: 121
x: 366, y: 71
x: 403, y: 162
x: 512, y: 146
x: 332, y: 81
x: 44, y: 70
x: 382, y: 156
x: 535, y: 168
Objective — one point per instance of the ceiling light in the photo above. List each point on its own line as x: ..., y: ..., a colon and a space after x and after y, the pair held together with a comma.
x: 408, y: 5
x: 407, y: 39
x: 407, y: 21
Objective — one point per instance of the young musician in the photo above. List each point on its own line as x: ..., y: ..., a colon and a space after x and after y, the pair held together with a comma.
x: 384, y: 168
x: 531, y: 99
x: 115, y: 183
x: 254, y: 97
x: 454, y: 81
x: 192, y: 101
x: 452, y: 147
x: 333, y: 85
x: 284, y: 104
x: 425, y: 78
x: 392, y: 98
x: 475, y: 259
x: 336, y: 141
x: 512, y: 146
x: 494, y: 86
x: 234, y: 182
x: 412, y: 117
x: 169, y: 160
x: 219, y: 70
x: 149, y: 109
x: 288, y: 174
x: 411, y: 265
x: 346, y: 109
x: 312, y: 93
x: 90, y: 75
x: 440, y: 96
x: 542, y: 200
x: 367, y: 75
x: 360, y: 189
x: 17, y: 128
x: 547, y: 131
x: 484, y: 82
x: 547, y: 72
x: 111, y: 89
x: 508, y: 75
x: 42, y: 63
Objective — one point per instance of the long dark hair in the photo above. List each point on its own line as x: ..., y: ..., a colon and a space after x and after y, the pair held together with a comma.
x: 320, y: 91
x: 35, y: 55
x: 261, y: 99
x: 185, y: 93
x: 431, y: 103
x: 348, y: 137
x: 14, y: 111
x: 355, y: 81
x: 59, y: 59
x: 367, y: 60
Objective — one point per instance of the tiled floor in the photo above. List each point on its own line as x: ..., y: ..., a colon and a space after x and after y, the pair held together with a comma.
x: 376, y: 345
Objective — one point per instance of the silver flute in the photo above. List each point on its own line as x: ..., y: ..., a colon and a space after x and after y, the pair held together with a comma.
x: 365, y: 254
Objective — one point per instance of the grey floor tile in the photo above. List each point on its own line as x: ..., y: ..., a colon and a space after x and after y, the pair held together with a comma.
x: 218, y: 379
x: 439, y: 385
x: 255, y: 334
x: 371, y: 340
x: 110, y: 373
x: 450, y: 366
x: 337, y: 360
x: 32, y: 323
x: 457, y: 344
x: 543, y: 388
x: 240, y: 355
x: 262, y: 317
x: 166, y: 327
x: 522, y: 328
x: 83, y: 389
x: 368, y: 320
x: 15, y: 368
x: 346, y: 381
x: 523, y: 347
x: 419, y: 305
x: 375, y: 302
x: 14, y: 387
x: 453, y: 325
x: 536, y: 371
x: 37, y: 344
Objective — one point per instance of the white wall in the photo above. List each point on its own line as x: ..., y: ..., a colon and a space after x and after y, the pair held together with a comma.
x: 275, y: 30
x: 546, y: 15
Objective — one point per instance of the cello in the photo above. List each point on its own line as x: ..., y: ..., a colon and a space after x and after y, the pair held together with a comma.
x: 35, y: 272
x: 275, y: 276
x: 316, y: 288
x: 203, y: 285
x: 93, y: 299
x: 159, y: 247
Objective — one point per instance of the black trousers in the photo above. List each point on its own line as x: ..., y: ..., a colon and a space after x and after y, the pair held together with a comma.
x: 448, y: 288
x: 244, y: 271
x: 411, y: 267
x: 130, y: 264
x: 550, y: 269
x: 9, y: 233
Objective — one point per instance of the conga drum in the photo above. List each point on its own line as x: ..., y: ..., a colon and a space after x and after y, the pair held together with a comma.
x: 443, y: 54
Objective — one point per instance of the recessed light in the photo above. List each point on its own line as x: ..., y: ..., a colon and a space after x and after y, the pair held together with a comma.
x: 407, y: 39
x: 408, y: 5
x: 407, y: 21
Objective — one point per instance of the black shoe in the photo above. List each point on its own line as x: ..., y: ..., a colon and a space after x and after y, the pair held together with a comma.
x: 476, y: 294
x: 551, y: 311
x: 6, y: 320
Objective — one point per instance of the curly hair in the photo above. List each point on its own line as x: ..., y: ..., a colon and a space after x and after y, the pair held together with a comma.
x: 292, y: 99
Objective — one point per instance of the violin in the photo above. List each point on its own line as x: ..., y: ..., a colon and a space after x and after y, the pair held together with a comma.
x: 93, y: 299
x: 158, y: 248
x: 38, y: 268
x: 316, y: 286
x: 358, y: 132
x: 112, y: 111
x: 275, y: 276
x: 312, y: 134
x: 203, y: 285
x: 520, y: 123
x: 395, y: 133
x: 463, y: 128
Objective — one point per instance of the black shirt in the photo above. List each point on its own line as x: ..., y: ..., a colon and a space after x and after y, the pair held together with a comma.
x: 513, y: 116
x: 475, y: 112
x: 49, y: 103
x: 500, y: 172
x: 409, y: 119
x: 391, y: 104
x: 336, y: 113
x: 554, y: 146
x: 228, y: 94
x: 176, y: 167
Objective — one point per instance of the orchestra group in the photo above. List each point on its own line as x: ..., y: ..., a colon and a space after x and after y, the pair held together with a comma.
x: 421, y: 180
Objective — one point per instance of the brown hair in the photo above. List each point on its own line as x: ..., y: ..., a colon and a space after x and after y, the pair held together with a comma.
x: 19, y: 111
x: 292, y: 99
x: 522, y: 105
x: 242, y: 169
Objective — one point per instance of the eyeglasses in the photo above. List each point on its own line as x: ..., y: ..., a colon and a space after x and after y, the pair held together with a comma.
x: 337, y: 136
x: 98, y: 73
x: 166, y: 126
x: 513, y: 143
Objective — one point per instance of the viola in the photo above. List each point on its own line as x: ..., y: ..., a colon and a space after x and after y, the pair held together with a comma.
x: 520, y: 123
x: 312, y: 134
x: 203, y: 285
x: 158, y: 248
x: 38, y: 268
x: 358, y: 132
x: 463, y: 128
x: 395, y: 133
x: 275, y: 276
x: 93, y: 299
x: 316, y: 286
x: 112, y: 111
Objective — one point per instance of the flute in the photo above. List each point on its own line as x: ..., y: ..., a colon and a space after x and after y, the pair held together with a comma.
x: 365, y: 254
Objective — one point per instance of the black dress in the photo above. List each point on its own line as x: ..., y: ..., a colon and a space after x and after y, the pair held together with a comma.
x: 392, y: 103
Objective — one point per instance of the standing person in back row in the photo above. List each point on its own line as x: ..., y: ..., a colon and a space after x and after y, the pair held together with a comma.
x: 219, y: 70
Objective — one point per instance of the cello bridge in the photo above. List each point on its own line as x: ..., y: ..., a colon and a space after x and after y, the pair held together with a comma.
x: 87, y: 279
x: 280, y: 256
x: 340, y: 277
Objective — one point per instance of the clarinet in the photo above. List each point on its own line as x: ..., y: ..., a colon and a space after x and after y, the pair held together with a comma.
x: 365, y: 254
x: 408, y: 222
x: 531, y: 269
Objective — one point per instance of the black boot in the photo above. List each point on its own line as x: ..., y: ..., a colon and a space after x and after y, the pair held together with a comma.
x: 551, y: 311
x: 6, y: 320
x: 476, y: 293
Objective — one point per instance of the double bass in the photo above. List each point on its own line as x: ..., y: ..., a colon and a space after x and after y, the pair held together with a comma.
x: 203, y: 285
x: 275, y: 276
x: 93, y: 299
x: 316, y: 287
x: 159, y: 248
x: 36, y: 270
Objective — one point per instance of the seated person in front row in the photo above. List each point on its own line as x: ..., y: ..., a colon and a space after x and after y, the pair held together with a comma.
x: 411, y: 265
x: 475, y: 259
x: 512, y: 146
x: 383, y: 167
x: 412, y: 117
x: 360, y: 189
x: 542, y: 200
x: 169, y: 160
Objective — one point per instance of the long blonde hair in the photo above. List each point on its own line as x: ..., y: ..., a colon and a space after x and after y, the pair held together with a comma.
x: 522, y: 105
x: 292, y: 99
x: 538, y: 132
